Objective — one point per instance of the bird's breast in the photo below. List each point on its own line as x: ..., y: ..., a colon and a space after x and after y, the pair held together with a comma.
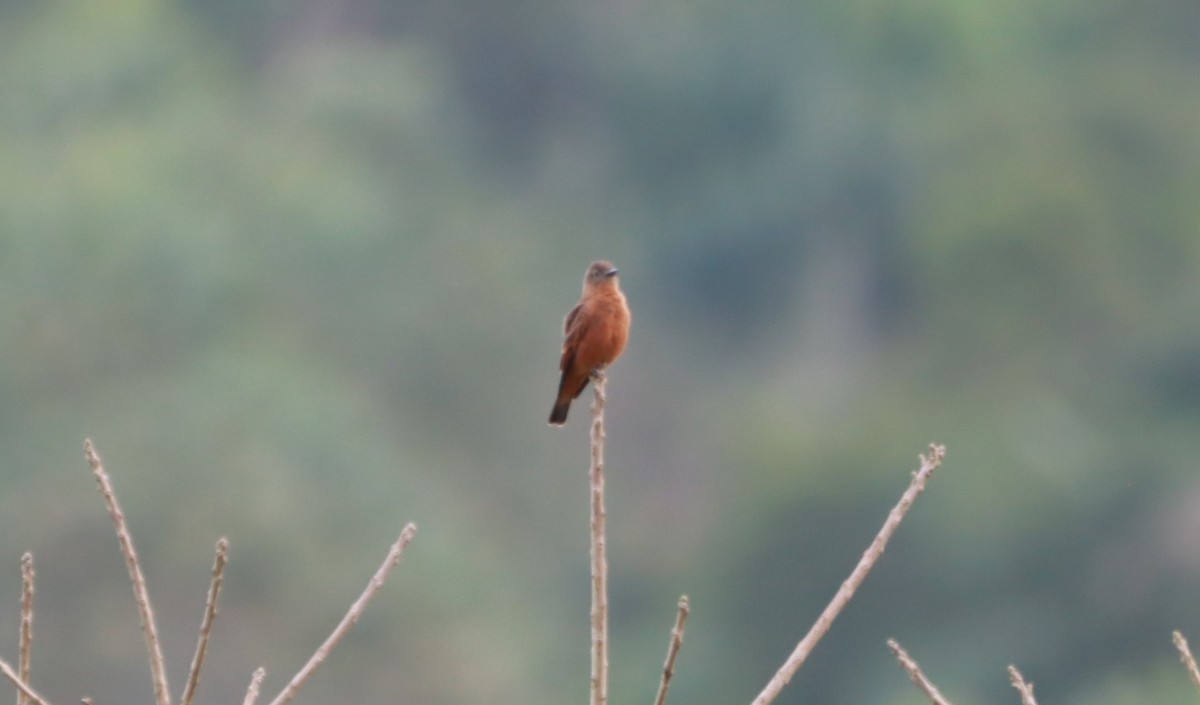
x: 607, y: 332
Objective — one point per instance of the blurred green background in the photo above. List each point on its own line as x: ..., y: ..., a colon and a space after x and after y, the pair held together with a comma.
x: 299, y: 269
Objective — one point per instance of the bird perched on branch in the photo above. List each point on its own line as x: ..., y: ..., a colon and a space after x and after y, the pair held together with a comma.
x: 596, y: 331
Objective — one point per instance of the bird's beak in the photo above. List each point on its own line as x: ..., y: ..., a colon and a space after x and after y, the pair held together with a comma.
x: 611, y: 273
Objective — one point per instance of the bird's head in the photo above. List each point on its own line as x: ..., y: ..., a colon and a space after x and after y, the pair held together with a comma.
x: 599, y: 273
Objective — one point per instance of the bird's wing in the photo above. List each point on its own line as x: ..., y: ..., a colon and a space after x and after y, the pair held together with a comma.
x: 575, y: 327
x: 571, y: 318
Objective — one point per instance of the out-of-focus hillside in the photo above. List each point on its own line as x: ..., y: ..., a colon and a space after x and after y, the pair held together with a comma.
x: 299, y: 270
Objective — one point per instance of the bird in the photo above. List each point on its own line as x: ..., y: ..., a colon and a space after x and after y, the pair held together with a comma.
x: 596, y: 331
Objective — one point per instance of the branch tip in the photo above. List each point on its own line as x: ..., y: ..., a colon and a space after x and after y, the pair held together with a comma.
x: 911, y: 667
x: 673, y: 647
x: 1185, y: 655
x: 1022, y: 686
x: 25, y: 653
x: 206, y: 623
x: 842, y: 597
x: 348, y: 621
x: 158, y: 671
x: 255, y: 681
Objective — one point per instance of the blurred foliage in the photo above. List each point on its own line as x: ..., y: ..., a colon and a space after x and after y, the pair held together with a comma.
x: 298, y: 268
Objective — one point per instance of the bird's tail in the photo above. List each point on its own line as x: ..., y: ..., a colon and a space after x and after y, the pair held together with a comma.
x: 558, y: 415
x: 569, y: 387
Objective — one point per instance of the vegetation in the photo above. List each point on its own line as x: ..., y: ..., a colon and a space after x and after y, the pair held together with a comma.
x: 299, y: 269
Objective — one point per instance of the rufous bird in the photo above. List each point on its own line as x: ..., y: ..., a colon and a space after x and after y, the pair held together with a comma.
x: 596, y: 331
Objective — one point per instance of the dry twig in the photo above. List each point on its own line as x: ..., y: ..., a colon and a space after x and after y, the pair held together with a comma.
x: 356, y: 610
x: 210, y: 613
x: 21, y: 685
x: 914, y: 672
x: 158, y: 670
x: 599, y: 612
x: 929, y: 463
x: 255, y: 681
x: 1185, y: 655
x: 26, y: 640
x: 1023, y: 687
x: 673, y: 650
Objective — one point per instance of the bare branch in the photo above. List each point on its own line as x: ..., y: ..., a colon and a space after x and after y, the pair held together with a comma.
x: 255, y: 681
x: 26, y: 639
x: 356, y: 610
x: 210, y: 613
x: 21, y: 685
x: 673, y: 650
x: 1023, y: 687
x: 158, y: 670
x: 1185, y: 655
x: 599, y: 612
x: 914, y: 672
x: 929, y: 463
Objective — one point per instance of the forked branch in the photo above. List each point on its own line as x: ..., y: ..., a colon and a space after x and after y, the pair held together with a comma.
x: 20, y: 677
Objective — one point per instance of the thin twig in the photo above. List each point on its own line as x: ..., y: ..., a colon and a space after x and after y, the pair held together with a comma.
x: 356, y: 610
x: 210, y: 613
x: 158, y: 671
x: 1023, y: 687
x: 599, y: 612
x: 21, y: 685
x: 255, y: 681
x: 1185, y: 655
x: 914, y: 672
x: 781, y: 678
x: 26, y: 640
x: 673, y: 650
